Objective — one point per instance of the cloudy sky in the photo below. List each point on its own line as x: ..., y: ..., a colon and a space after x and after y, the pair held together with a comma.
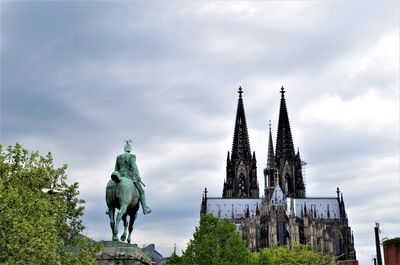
x: 77, y: 78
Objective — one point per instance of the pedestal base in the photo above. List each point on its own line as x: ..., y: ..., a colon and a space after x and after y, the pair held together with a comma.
x: 119, y: 253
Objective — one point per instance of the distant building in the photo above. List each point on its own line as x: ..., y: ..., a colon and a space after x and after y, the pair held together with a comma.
x: 156, y: 257
x: 391, y: 251
x: 284, y: 214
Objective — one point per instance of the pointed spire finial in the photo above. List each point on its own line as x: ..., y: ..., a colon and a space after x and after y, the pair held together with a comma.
x: 282, y: 90
x: 269, y: 124
x: 337, y: 192
x: 240, y: 91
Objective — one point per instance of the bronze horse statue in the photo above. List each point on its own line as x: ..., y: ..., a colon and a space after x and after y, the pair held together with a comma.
x: 122, y: 194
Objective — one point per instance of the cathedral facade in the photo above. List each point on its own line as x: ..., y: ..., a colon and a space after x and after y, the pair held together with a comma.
x: 283, y: 214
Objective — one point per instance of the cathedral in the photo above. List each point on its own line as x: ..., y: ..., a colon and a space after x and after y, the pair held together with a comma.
x: 283, y: 214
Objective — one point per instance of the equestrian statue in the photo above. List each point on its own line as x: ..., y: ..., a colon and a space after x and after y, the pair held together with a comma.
x: 124, y: 192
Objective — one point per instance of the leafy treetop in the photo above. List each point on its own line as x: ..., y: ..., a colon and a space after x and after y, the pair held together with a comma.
x: 35, y: 227
x: 214, y: 242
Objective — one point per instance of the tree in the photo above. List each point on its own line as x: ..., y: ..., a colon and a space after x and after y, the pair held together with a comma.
x: 35, y: 227
x: 216, y: 242
x: 262, y: 257
x: 174, y: 259
x: 297, y: 255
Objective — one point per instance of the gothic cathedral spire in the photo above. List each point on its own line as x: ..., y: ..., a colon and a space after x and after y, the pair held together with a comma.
x: 241, y: 143
x: 270, y: 170
x: 271, y: 157
x: 287, y: 163
x: 241, y: 168
x: 284, y: 141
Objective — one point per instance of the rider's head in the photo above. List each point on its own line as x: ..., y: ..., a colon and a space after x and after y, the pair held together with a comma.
x: 128, y: 147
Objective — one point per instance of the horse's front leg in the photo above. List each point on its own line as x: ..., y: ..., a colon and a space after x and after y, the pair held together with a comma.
x: 123, y: 237
x: 132, y: 219
x: 111, y: 214
x: 121, y: 213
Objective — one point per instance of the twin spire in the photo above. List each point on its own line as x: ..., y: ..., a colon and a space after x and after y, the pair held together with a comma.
x: 284, y: 141
x: 241, y: 180
x: 241, y: 143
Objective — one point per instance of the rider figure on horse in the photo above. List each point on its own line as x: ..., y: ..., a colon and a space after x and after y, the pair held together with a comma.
x: 126, y: 166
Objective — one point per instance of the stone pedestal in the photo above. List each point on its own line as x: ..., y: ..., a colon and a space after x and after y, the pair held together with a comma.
x: 119, y: 253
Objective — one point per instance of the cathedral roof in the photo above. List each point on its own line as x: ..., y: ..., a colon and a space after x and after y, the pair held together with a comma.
x: 284, y: 141
x: 321, y: 208
x: 241, y: 143
x: 224, y: 207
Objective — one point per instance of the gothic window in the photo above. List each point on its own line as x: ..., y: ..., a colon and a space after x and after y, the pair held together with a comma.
x: 242, y: 188
x: 281, y: 230
x: 286, y: 185
x: 338, y: 243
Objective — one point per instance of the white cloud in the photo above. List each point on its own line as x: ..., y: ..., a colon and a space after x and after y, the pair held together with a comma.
x: 368, y: 111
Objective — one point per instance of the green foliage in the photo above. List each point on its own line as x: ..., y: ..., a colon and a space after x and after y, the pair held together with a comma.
x: 214, y: 242
x: 263, y: 257
x: 174, y: 259
x: 298, y: 255
x: 35, y: 227
x: 393, y: 241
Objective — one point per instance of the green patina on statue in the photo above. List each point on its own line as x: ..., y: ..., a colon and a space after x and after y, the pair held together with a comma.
x: 124, y: 192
